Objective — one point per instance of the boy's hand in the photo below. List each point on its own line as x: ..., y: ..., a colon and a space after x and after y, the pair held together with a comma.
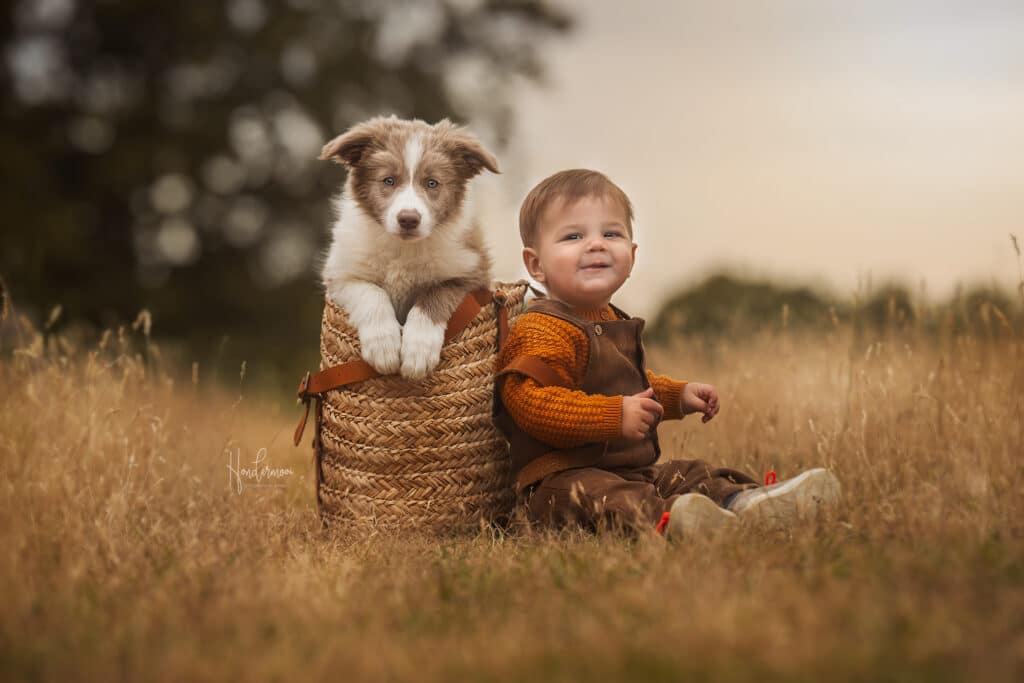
x: 699, y: 398
x: 640, y: 413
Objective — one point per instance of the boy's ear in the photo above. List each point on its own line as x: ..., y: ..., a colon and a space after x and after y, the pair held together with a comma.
x: 632, y: 259
x: 532, y: 263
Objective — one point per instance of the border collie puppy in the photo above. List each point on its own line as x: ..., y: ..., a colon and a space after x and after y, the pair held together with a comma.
x: 406, y: 247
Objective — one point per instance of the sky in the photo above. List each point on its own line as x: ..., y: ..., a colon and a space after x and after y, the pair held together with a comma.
x: 817, y: 142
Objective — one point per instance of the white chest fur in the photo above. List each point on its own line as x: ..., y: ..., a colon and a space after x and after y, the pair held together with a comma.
x: 361, y: 250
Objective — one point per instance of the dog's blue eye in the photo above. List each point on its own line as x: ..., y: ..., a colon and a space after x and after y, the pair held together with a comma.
x: 431, y: 183
x: 389, y: 181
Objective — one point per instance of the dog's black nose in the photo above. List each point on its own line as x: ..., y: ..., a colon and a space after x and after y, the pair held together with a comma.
x: 409, y: 220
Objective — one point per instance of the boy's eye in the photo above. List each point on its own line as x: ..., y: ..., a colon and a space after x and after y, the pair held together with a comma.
x: 613, y: 233
x: 389, y: 181
x: 572, y: 236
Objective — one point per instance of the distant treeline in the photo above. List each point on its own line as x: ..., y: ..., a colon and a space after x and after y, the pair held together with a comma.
x: 724, y: 304
x: 720, y: 305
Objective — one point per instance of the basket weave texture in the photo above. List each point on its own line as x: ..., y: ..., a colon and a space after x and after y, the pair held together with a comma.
x: 398, y: 453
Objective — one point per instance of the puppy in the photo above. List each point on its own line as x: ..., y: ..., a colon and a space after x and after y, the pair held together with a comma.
x: 405, y: 246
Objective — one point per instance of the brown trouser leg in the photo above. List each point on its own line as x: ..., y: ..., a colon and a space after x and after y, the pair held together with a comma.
x: 628, y: 497
x: 696, y: 476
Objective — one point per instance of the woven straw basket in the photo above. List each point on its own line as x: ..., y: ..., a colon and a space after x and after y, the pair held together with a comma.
x: 397, y: 453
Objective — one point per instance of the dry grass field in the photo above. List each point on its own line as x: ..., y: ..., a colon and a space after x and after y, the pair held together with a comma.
x: 129, y: 553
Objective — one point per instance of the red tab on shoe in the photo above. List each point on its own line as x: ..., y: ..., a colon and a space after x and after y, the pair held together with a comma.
x: 662, y: 523
x: 770, y: 478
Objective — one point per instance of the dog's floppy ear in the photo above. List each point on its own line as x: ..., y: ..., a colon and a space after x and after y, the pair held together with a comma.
x: 476, y: 157
x: 464, y: 147
x: 349, y: 147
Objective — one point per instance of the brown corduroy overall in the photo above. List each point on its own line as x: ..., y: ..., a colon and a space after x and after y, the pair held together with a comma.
x: 617, y: 483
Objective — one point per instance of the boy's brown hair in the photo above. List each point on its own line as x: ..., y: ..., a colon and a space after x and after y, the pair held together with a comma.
x: 568, y: 186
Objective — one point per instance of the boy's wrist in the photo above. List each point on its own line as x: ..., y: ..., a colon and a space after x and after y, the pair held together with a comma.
x: 611, y: 420
x: 671, y: 398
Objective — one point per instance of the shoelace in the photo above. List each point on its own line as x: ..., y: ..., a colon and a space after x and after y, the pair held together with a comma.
x: 662, y: 523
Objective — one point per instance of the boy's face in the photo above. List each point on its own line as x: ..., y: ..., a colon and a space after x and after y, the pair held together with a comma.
x: 583, y: 252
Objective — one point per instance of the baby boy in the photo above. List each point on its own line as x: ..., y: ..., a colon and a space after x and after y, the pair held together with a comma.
x: 577, y: 403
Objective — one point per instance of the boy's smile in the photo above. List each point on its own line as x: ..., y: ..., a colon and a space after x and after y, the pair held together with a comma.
x: 584, y: 252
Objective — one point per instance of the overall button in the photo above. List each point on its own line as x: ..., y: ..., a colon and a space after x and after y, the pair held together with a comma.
x: 598, y: 331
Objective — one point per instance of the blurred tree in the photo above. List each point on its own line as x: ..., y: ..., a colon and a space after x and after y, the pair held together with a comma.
x: 726, y: 304
x: 985, y: 310
x: 887, y: 307
x: 162, y: 154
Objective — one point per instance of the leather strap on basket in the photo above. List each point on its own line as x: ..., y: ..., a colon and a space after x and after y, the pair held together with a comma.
x: 314, y: 385
x: 466, y: 311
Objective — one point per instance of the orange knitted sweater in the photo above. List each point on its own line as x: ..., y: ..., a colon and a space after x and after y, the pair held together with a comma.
x: 562, y: 417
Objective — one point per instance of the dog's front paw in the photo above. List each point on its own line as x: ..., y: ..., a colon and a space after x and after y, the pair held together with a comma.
x: 422, y: 340
x: 381, y: 345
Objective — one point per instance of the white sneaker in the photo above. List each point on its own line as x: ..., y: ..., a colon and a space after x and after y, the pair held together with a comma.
x: 801, y: 496
x: 693, y: 514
